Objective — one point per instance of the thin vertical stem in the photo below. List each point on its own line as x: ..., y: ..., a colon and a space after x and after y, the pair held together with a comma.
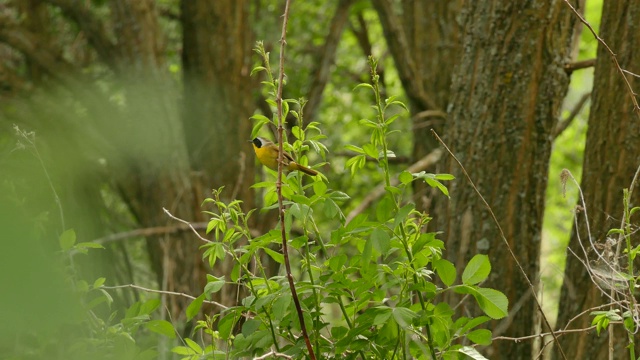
x: 285, y: 251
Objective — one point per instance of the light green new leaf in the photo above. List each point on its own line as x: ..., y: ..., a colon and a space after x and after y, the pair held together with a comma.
x: 494, y: 303
x: 477, y: 270
x: 445, y: 270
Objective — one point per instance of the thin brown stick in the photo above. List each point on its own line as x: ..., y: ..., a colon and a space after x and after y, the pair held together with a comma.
x: 504, y: 239
x: 188, y: 224
x: 285, y: 251
x: 559, y: 333
x: 164, y: 292
x: 150, y: 231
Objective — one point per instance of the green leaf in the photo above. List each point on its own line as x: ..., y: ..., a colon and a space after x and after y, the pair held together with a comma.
x: 615, y: 231
x: 403, y: 316
x: 225, y: 325
x: 364, y: 85
x: 337, y: 262
x: 281, y: 306
x: 214, y: 286
x: 370, y: 150
x: 149, y: 306
x: 161, y: 327
x: 445, y: 270
x: 472, y: 353
x: 405, y: 177
x: 194, y: 308
x: 477, y: 270
x: 99, y: 282
x: 444, y: 177
x: 339, y: 196
x: 366, y: 255
x: 492, y: 302
x: 182, y: 350
x: 250, y: 326
x: 436, y: 184
x: 402, y: 214
x: 480, y: 336
x: 354, y: 149
x: 194, y: 346
x: 276, y: 256
x: 319, y: 188
x: 67, y: 239
x: 297, y: 132
x: 384, y: 209
x: 381, y: 241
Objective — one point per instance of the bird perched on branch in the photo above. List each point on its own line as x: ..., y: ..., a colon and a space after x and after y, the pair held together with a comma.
x: 267, y: 152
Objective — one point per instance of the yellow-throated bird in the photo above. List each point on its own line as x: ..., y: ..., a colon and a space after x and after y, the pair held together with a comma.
x: 267, y: 153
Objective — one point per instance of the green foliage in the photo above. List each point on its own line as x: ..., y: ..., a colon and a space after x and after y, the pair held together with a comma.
x: 367, y: 288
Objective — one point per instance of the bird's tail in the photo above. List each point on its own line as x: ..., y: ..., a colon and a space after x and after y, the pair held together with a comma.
x: 305, y: 170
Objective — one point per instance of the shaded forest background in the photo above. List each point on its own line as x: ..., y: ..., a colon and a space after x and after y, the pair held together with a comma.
x: 140, y: 105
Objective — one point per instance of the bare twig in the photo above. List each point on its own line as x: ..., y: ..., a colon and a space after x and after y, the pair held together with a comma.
x: 559, y: 333
x: 164, y: 292
x: 150, y: 231
x: 380, y: 190
x: 285, y: 251
x: 188, y: 224
x: 504, y: 239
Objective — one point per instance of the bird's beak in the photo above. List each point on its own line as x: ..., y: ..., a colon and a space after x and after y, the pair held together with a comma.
x: 249, y: 140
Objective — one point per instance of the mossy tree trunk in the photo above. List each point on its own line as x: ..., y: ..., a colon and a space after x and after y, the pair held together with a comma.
x: 505, y: 100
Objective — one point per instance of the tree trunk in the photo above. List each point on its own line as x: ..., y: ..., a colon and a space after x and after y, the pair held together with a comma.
x: 611, y: 157
x: 506, y: 96
x: 218, y: 101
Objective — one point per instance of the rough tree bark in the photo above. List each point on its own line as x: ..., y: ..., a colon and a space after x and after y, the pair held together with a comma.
x: 611, y: 157
x: 506, y: 96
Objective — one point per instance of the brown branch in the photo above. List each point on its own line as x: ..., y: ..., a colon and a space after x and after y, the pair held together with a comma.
x: 636, y: 107
x: 562, y: 126
x: 579, y: 65
x: 328, y: 53
x: 283, y: 231
x: 504, y: 239
x: 380, y: 190
x: 397, y: 42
